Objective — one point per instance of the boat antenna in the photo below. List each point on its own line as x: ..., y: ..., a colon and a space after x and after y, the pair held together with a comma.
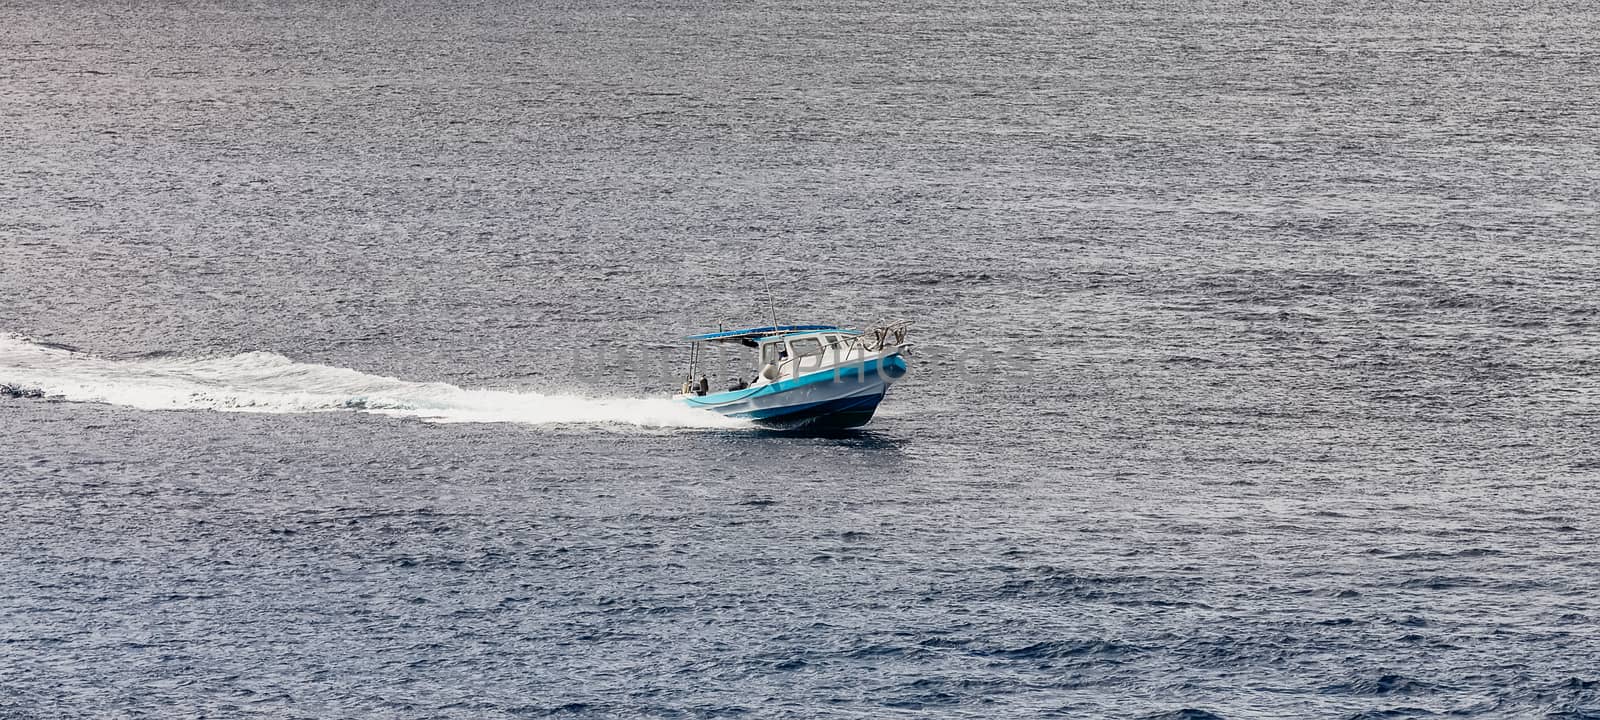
x: 766, y: 285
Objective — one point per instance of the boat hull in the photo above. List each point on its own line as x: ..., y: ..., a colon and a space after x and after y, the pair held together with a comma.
x: 841, y: 397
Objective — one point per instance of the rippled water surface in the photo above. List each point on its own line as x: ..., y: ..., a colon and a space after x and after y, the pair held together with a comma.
x: 1255, y: 376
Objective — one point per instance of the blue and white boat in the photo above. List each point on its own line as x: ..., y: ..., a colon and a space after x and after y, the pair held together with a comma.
x: 807, y: 376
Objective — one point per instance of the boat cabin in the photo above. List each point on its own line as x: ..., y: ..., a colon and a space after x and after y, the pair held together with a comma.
x: 781, y: 352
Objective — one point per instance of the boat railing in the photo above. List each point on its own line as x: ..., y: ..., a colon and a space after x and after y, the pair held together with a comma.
x: 885, y: 335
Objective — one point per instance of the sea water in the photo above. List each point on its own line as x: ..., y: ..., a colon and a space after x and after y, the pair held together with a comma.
x: 1255, y: 372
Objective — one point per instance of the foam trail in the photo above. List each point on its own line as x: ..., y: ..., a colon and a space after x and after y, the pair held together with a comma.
x: 268, y: 383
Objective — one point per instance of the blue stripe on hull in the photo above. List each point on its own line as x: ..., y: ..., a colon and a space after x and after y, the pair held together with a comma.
x: 834, y: 398
x: 866, y: 371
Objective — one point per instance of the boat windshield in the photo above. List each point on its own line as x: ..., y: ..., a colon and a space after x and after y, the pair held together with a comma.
x: 806, y: 347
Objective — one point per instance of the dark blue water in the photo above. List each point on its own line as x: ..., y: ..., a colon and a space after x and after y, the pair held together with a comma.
x: 1255, y: 377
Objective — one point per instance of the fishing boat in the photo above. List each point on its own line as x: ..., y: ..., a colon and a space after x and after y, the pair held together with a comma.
x: 805, y: 376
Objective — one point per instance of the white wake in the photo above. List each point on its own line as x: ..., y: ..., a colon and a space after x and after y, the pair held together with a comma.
x: 269, y: 383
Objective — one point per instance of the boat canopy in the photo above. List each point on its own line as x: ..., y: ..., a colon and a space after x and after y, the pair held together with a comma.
x: 750, y: 335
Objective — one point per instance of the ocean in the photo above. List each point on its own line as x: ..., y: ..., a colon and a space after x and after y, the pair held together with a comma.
x: 1255, y: 364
